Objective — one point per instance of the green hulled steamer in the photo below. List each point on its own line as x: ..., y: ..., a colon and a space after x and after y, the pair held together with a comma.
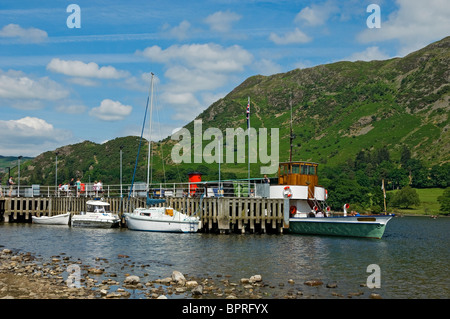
x: 308, y: 211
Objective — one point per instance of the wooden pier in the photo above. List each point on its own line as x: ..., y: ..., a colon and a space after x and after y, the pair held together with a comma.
x: 218, y: 214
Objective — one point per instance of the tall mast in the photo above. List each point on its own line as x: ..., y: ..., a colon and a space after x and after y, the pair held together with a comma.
x: 291, y: 136
x: 248, y: 131
x: 150, y: 136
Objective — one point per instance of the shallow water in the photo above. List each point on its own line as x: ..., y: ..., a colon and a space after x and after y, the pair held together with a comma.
x: 413, y: 256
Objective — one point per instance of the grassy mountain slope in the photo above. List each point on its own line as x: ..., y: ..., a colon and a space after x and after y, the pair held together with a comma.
x: 341, y: 108
x: 338, y: 109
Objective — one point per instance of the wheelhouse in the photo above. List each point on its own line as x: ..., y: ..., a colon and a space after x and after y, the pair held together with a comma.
x: 298, y: 173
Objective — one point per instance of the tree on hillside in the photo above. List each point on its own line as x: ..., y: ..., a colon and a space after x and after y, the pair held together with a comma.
x: 444, y: 201
x: 405, y: 198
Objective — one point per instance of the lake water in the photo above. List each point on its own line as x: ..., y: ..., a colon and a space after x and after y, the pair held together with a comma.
x: 413, y: 256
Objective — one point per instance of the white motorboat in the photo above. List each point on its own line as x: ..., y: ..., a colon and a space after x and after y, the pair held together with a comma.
x: 61, y: 219
x: 161, y: 219
x: 97, y: 215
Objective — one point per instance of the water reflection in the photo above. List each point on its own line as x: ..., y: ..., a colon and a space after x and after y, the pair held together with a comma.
x: 413, y: 255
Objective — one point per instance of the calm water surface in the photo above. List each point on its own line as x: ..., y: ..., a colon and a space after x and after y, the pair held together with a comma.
x: 413, y: 256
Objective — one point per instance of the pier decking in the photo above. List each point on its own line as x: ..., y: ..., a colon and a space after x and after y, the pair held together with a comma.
x: 217, y: 214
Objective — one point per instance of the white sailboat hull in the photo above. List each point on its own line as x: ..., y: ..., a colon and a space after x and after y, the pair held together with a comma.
x: 153, y: 219
x: 62, y: 219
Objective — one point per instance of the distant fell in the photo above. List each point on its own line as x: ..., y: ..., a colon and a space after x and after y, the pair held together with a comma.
x: 338, y: 109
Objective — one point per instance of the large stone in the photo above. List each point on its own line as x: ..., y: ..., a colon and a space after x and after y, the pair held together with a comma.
x: 132, y: 280
x: 197, y: 291
x: 191, y: 284
x: 96, y: 271
x: 255, y: 278
x: 178, y: 277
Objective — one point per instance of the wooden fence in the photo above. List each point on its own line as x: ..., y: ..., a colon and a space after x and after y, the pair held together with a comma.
x: 217, y: 214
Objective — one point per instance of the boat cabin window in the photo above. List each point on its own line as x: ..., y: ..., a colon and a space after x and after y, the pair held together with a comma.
x: 295, y: 169
x: 93, y: 208
x: 308, y: 170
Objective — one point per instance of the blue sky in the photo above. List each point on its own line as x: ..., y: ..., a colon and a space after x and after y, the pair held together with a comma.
x: 61, y: 85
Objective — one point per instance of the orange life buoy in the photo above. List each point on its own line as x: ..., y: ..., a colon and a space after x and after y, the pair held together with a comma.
x: 287, y: 192
x: 292, y: 210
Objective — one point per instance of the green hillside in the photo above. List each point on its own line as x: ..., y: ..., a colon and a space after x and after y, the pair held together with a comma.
x: 340, y: 112
x: 341, y: 108
x: 10, y: 162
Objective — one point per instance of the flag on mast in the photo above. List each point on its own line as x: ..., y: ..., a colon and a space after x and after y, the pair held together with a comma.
x: 248, y: 113
x: 248, y: 131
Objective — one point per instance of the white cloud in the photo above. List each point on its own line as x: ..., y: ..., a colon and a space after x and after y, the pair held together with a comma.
x: 296, y: 36
x: 30, y: 35
x: 316, y: 15
x: 180, y: 32
x: 18, y: 86
x: 183, y: 99
x: 371, y: 53
x: 195, y: 79
x: 211, y: 57
x: 416, y: 24
x: 111, y: 110
x: 30, y: 136
x: 221, y: 21
x: 267, y: 67
x: 81, y: 69
x: 196, y: 69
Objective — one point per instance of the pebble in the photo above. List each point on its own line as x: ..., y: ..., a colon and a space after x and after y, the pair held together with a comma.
x: 191, y: 284
x: 132, y: 280
x: 24, y: 276
x: 197, y: 291
x: 313, y: 283
x: 332, y: 285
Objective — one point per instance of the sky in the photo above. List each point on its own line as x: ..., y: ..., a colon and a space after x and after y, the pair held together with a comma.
x: 80, y: 70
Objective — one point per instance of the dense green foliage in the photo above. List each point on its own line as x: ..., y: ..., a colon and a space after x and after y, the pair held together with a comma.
x: 359, y: 180
x: 444, y: 201
x: 405, y: 198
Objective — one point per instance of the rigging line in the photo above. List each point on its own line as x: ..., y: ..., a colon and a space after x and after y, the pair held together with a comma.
x: 160, y: 134
x: 139, y: 149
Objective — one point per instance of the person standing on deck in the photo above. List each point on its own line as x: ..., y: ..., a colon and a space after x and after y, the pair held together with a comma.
x: 78, y: 184
x: 10, y: 184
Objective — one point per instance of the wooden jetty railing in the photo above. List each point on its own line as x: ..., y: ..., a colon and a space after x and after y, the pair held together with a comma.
x: 217, y: 214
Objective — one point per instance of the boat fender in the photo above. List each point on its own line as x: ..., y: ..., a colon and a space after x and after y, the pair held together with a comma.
x: 346, y: 206
x: 287, y: 192
x: 293, y: 210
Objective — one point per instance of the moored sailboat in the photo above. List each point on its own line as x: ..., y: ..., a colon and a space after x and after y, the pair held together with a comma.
x: 159, y: 219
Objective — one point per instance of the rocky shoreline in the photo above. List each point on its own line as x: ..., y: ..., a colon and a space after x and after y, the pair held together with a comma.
x: 25, y: 276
